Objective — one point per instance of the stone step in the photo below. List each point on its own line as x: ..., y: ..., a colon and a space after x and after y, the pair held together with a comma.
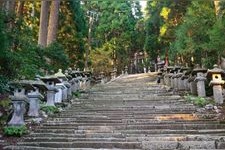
x: 181, y: 145
x: 141, y: 127
x: 148, y: 145
x: 128, y: 139
x: 137, y: 98
x: 83, y: 101
x: 73, y: 139
x: 48, y: 148
x: 164, y: 110
x: 195, y: 136
x: 134, y: 131
x: 85, y: 144
x: 123, y: 121
x: 132, y: 112
x: 129, y: 122
x: 99, y: 116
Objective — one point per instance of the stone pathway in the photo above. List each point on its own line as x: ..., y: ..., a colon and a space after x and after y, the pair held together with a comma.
x: 132, y: 112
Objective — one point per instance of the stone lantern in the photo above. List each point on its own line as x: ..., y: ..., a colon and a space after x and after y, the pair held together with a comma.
x: 51, y: 81
x: 182, y: 78
x: 216, y: 82
x: 192, y: 85
x: 200, y: 80
x: 185, y: 77
x: 167, y: 77
x: 35, y: 96
x: 19, y: 100
x: 126, y: 70
x: 175, y: 77
x: 171, y: 76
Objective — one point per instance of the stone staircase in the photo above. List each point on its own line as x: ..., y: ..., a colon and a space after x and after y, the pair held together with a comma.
x: 132, y: 112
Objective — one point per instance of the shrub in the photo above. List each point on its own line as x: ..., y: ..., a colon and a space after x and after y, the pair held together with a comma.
x: 199, y: 101
x: 5, y: 105
x: 50, y: 109
x: 76, y: 94
x: 17, y: 131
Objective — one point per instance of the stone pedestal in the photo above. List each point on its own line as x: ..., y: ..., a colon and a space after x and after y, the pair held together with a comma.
x: 217, y: 93
x: 174, y: 82
x: 169, y: 80
x: 193, y: 86
x: 19, y: 103
x: 59, y: 95
x: 200, y: 79
x: 126, y: 70
x: 67, y: 90
x: 34, y: 99
x: 180, y: 82
x: 51, y: 96
x: 185, y: 84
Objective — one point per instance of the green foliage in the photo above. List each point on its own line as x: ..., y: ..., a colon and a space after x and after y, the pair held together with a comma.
x: 77, y: 94
x: 199, y: 101
x: 193, y: 35
x: 73, y: 31
x: 50, y: 109
x: 57, y: 56
x: 5, y: 105
x: 114, y: 33
x: 17, y: 131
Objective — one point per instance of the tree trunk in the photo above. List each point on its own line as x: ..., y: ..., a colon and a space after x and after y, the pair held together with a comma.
x: 43, y: 28
x: 53, y: 21
x: 217, y: 7
x: 20, y: 7
x: 10, y: 7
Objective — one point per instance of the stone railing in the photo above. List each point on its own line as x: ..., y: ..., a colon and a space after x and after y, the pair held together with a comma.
x: 54, y: 89
x: 193, y: 80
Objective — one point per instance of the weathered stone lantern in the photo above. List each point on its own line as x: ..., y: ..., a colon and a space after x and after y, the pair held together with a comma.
x: 19, y: 100
x: 200, y: 79
x: 62, y: 77
x: 59, y: 94
x: 88, y: 78
x: 51, y: 81
x: 172, y: 74
x: 175, y: 77
x: 181, y: 75
x: 35, y: 96
x: 126, y: 70
x: 185, y: 77
x: 167, y: 77
x: 216, y: 82
x: 192, y: 85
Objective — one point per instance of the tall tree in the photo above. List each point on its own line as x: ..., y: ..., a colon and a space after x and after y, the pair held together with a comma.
x: 113, y: 33
x: 53, y: 21
x: 43, y: 28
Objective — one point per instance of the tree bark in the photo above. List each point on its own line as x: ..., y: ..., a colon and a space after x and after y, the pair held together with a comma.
x: 43, y: 27
x: 53, y: 21
x: 217, y: 7
x: 20, y: 7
